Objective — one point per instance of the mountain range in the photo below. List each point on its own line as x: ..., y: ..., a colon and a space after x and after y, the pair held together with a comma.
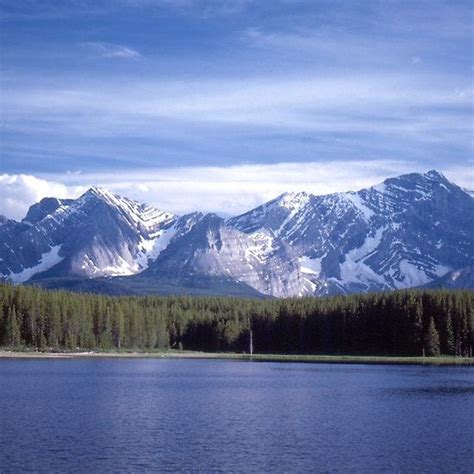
x: 409, y: 231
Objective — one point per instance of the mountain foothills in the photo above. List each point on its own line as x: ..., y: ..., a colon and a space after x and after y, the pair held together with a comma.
x: 413, y: 230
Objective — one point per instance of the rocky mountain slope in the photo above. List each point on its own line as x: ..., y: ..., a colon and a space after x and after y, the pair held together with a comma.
x: 411, y: 230
x: 402, y: 233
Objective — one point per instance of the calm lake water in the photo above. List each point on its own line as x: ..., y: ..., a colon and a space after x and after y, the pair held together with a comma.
x: 213, y: 415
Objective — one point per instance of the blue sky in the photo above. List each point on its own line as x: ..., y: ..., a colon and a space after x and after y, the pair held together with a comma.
x: 100, y: 91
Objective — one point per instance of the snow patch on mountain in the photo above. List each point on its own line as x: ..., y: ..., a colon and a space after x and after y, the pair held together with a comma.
x: 413, y: 275
x: 121, y: 268
x: 354, y: 269
x: 261, y: 249
x: 140, y: 214
x: 48, y: 260
x: 310, y: 266
x: 404, y: 232
x: 294, y: 202
x: 150, y: 249
x: 356, y: 200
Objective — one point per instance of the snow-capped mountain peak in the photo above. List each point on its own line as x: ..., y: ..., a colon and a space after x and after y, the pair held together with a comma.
x: 98, y: 234
x: 392, y: 235
x: 409, y: 230
x: 435, y: 175
x: 294, y: 201
x: 138, y: 214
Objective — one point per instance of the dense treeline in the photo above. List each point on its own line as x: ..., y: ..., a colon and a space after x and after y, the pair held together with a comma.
x: 409, y: 323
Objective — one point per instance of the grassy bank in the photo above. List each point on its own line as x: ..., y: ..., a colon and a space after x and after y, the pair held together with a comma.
x: 327, y: 359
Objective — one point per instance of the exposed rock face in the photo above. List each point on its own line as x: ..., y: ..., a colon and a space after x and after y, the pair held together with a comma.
x: 260, y: 260
x: 404, y: 232
x: 46, y: 206
x: 408, y: 231
x: 459, y: 279
x: 96, y: 235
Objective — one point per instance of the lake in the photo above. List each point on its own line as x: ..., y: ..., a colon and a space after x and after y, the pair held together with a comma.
x: 214, y: 415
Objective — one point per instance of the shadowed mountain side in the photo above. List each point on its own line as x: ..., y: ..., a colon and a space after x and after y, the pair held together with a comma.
x: 138, y: 285
x: 457, y: 279
x: 408, y: 231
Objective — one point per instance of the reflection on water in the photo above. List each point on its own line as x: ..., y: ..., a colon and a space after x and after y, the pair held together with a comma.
x: 145, y: 414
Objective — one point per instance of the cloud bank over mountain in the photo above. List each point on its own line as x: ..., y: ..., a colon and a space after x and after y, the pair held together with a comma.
x: 224, y: 190
x: 407, y: 231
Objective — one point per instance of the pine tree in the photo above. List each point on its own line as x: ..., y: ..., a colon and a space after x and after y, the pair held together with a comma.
x: 117, y: 326
x: 450, y: 342
x: 431, y: 340
x: 418, y: 327
x: 12, y: 328
x: 106, y: 331
x: 163, y: 339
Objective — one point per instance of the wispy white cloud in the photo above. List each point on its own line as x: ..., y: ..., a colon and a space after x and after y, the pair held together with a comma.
x: 338, y: 47
x: 225, y: 190
x: 110, y: 50
x: 229, y: 81
x: 357, y: 104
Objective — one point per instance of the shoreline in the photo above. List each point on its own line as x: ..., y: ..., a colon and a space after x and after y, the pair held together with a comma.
x: 321, y: 359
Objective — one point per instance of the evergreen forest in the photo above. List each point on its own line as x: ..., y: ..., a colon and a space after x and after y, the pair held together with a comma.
x: 402, y: 323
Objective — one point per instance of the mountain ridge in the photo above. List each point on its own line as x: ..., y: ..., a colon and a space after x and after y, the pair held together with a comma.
x: 407, y: 231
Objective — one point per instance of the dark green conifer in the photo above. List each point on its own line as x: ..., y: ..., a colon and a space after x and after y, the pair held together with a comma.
x: 431, y: 340
x: 449, y: 335
x: 12, y: 328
